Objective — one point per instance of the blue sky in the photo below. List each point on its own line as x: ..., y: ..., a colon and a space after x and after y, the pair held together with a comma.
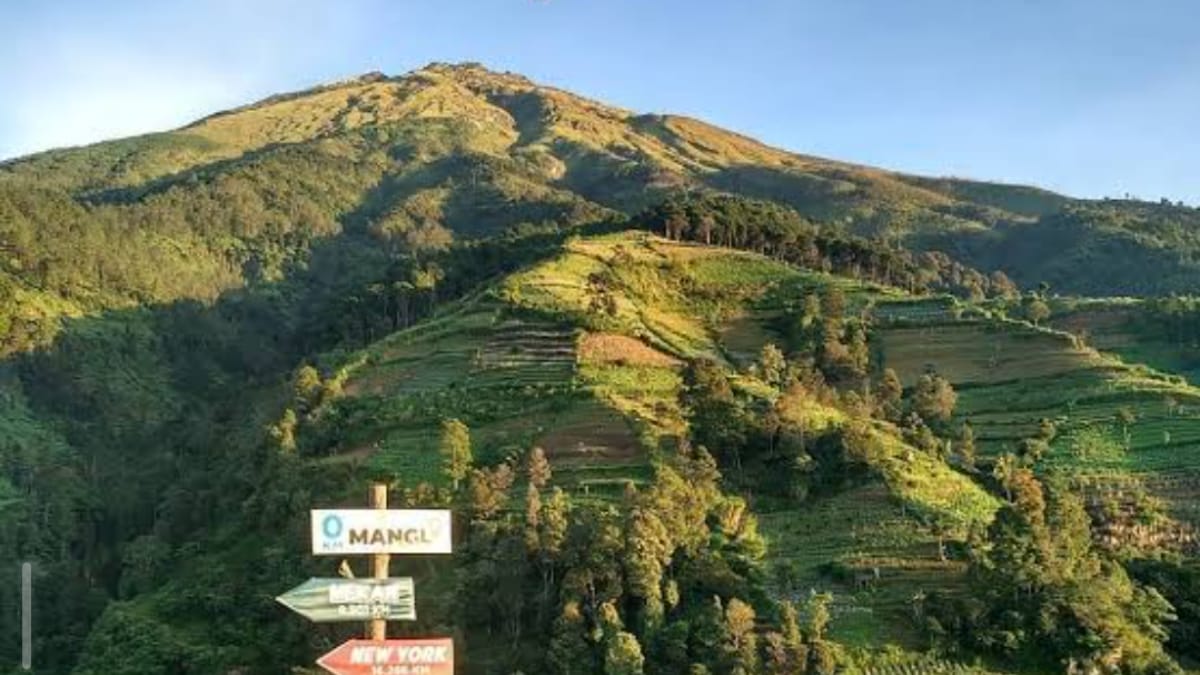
x: 1092, y: 97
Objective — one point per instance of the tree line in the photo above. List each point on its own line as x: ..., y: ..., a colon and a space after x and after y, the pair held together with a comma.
x: 777, y: 231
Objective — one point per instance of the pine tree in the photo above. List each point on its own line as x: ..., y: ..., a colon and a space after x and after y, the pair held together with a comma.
x: 741, y: 648
x: 648, y: 549
x: 568, y: 652
x: 966, y: 445
x: 455, y: 449
x: 709, y: 632
x: 891, y: 395
x: 533, y: 517
x: 771, y: 364
x: 538, y: 468
x: 793, y: 640
x: 1004, y: 470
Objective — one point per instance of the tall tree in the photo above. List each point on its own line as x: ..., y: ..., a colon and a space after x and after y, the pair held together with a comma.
x: 742, y: 644
x: 538, y: 468
x: 891, y: 394
x: 966, y: 445
x: 771, y: 364
x: 455, y: 448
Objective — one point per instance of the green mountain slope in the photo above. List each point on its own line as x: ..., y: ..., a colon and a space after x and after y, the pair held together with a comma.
x: 407, y: 163
x: 595, y: 375
x: 455, y: 243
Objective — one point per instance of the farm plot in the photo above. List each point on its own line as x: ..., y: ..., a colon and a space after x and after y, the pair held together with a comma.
x: 837, y: 543
x: 970, y: 352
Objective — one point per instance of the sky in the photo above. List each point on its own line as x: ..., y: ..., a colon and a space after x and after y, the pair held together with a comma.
x: 1088, y: 97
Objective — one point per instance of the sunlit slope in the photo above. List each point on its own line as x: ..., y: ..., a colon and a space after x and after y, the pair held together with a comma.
x: 1118, y: 424
x: 1133, y: 329
x: 582, y: 355
x: 606, y: 154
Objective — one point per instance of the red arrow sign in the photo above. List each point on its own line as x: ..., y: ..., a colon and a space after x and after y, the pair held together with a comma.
x: 391, y: 657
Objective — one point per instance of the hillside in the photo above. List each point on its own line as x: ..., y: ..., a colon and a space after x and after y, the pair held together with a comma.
x: 794, y: 419
x: 408, y: 163
x: 586, y: 356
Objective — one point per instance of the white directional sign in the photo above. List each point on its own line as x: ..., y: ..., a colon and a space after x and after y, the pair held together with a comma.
x: 366, y: 531
x: 327, y: 600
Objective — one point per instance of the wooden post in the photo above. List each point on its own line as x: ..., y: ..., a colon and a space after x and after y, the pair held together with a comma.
x: 379, y: 561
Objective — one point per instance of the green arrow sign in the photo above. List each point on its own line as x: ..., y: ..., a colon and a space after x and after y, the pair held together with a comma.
x: 329, y: 600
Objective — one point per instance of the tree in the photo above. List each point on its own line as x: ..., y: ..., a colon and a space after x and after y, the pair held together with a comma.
x: 821, y: 657
x: 706, y: 225
x: 708, y: 632
x: 1004, y: 470
x: 1036, y: 310
x: 649, y: 547
x: 918, y: 433
x: 284, y: 432
x: 1032, y: 450
x: 859, y: 352
x: 487, y: 491
x: 833, y: 304
x: 1045, y: 593
x: 775, y: 658
x: 966, y: 445
x: 795, y: 649
x: 934, y: 398
x: 533, y: 518
x: 741, y: 649
x: 891, y: 394
x: 568, y: 652
x: 554, y: 522
x: 715, y: 413
x: 675, y: 225
x: 623, y: 655
x: 1002, y: 286
x: 1047, y: 430
x: 538, y: 468
x: 771, y: 364
x: 816, y: 610
x: 455, y: 449
x: 307, y: 387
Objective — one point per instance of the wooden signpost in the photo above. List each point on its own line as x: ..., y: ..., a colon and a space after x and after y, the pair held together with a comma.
x: 379, y: 533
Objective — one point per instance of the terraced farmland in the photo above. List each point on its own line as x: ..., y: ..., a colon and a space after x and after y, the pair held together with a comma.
x: 1118, y: 326
x: 837, y: 543
x: 981, y: 352
x: 582, y: 355
x: 1010, y: 376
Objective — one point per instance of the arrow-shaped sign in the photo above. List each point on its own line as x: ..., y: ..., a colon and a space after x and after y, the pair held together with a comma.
x: 328, y: 600
x: 394, y: 657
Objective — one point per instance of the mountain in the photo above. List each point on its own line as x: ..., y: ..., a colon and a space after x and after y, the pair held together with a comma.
x: 794, y: 418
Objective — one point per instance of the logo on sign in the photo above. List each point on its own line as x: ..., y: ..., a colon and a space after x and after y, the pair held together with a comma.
x: 352, y: 531
x: 332, y: 526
